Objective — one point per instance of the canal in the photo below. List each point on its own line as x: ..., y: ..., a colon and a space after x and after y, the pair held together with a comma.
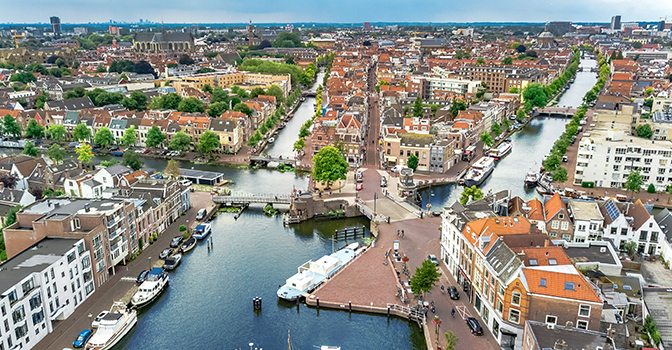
x: 529, y: 146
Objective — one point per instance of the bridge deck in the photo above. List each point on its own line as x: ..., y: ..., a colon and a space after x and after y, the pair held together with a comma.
x: 264, y: 199
x: 272, y: 159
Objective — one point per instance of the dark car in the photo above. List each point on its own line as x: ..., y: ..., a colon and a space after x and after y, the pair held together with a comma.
x: 166, y: 253
x: 95, y: 151
x: 37, y: 142
x: 82, y: 338
x: 454, y: 294
x: 142, y: 276
x: 114, y: 148
x: 117, y: 153
x: 176, y: 242
x: 474, y: 326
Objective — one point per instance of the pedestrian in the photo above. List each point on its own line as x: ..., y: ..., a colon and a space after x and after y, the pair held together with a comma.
x: 397, y: 233
x: 403, y: 234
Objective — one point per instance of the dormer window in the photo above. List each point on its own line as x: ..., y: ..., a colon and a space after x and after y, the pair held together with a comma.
x: 533, y: 262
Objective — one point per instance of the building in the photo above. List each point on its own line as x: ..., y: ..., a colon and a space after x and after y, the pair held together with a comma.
x: 398, y: 147
x: 367, y: 26
x: 560, y: 28
x: 558, y: 221
x: 41, y: 285
x: 632, y: 222
x: 442, y: 156
x: 616, y: 22
x: 113, y: 30
x: 500, y: 79
x: 163, y: 41
x: 587, y: 220
x: 543, y: 336
x: 55, y: 24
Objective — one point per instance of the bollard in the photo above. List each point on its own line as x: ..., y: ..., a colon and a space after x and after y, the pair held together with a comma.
x: 388, y: 312
x: 350, y: 305
x: 318, y: 302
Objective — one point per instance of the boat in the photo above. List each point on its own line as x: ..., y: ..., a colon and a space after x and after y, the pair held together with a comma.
x: 281, y: 126
x: 312, y: 273
x: 113, y: 327
x: 203, y: 230
x: 478, y: 172
x: 502, y: 150
x: 151, y: 288
x: 531, y: 179
x: 188, y: 245
x: 271, y: 140
x: 303, y: 99
x: 172, y: 262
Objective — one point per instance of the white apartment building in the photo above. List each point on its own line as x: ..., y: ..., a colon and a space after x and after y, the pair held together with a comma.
x: 607, y: 154
x: 42, y: 284
x: 588, y: 220
x: 628, y: 222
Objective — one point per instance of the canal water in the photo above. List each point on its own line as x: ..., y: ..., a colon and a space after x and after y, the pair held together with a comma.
x: 529, y: 146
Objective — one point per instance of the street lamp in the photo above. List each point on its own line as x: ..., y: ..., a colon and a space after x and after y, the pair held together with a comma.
x: 150, y: 262
x: 437, y: 322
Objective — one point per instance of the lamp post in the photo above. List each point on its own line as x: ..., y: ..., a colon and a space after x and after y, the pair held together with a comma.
x: 437, y: 323
x: 150, y: 262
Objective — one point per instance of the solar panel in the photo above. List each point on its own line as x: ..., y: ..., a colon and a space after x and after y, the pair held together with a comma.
x: 612, y: 210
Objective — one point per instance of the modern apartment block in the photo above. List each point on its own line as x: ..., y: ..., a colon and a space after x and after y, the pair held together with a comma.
x: 44, y: 283
x: 107, y: 227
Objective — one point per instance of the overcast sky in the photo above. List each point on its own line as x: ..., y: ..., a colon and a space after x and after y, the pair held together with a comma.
x: 338, y: 11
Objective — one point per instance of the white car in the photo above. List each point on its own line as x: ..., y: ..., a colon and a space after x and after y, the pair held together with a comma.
x: 96, y: 321
x: 185, y: 183
x: 398, y: 168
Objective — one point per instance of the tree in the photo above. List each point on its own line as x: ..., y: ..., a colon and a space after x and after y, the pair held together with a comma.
x: 457, y: 106
x: 651, y: 188
x: 521, y: 48
x: 276, y: 91
x: 634, y: 182
x: 186, y: 60
x: 55, y: 153
x: 254, y: 139
x: 191, y: 105
x: 81, y: 132
x: 560, y: 175
x: 109, y: 163
x: 256, y: 92
x: 208, y: 142
x: 103, y: 137
x: 154, y: 137
x: 218, y: 108
x: 143, y: 67
x: 425, y: 277
x: 507, y: 61
x: 486, y: 138
x: 84, y: 153
x: 180, y: 142
x: 480, y: 61
x: 34, y: 130
x: 219, y: 95
x: 173, y: 169
x: 590, y: 96
x: 521, y: 115
x: 132, y: 160
x: 412, y: 162
x: 30, y: 149
x: 207, y: 88
x: 417, y: 107
x: 644, y: 131
x: 244, y: 108
x: 41, y: 100
x: 552, y: 162
x: 101, y: 69
x: 474, y: 192
x: 129, y: 137
x: 496, y: 129
x: 37, y: 193
x: 10, y: 126
x: 535, y: 94
x: 9, y: 179
x: 330, y: 165
x: 637, y: 45
x: 299, y: 145
x: 451, y: 340
x: 75, y: 93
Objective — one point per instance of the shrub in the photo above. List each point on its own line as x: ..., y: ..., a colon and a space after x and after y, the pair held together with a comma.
x: 140, y: 243
x: 588, y: 184
x: 186, y: 235
x: 645, y: 336
x: 155, y: 236
x: 651, y: 188
x: 183, y: 228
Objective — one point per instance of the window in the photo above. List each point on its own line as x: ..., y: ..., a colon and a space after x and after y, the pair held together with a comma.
x: 552, y: 261
x: 514, y: 316
x: 643, y: 235
x: 12, y: 297
x: 21, y: 331
x: 35, y: 301
x: 500, y: 306
x: 38, y: 317
x: 533, y: 262
x: 515, y: 299
x: 551, y: 319
x: 27, y: 286
x: 555, y: 224
x: 582, y: 227
x: 584, y: 310
x: 542, y: 282
x: 18, y: 315
x: 565, y: 226
x: 569, y: 285
x: 582, y: 324
x: 624, y: 231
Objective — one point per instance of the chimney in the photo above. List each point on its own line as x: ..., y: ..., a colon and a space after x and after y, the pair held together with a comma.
x: 39, y: 169
x: 66, y: 174
x: 2, y: 186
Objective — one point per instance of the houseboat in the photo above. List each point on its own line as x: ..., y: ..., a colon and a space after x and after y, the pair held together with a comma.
x: 157, y: 280
x: 478, y: 172
x: 532, y: 178
x: 502, y: 150
x: 113, y: 327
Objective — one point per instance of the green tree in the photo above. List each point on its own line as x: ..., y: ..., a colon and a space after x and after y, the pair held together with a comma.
x: 472, y: 191
x: 103, y: 137
x: 180, y: 142
x: 207, y: 88
x: 34, y: 130
x: 644, y: 131
x: 129, y: 104
x: 496, y: 129
x: 552, y: 162
x: 590, y: 96
x: 75, y: 93
x: 55, y: 153
x: 299, y: 145
x: 254, y: 139
x: 486, y: 138
x: 218, y: 108
x: 129, y: 137
x: 10, y: 126
x: 101, y: 69
x: 256, y: 92
x: 173, y: 169
x: 276, y: 91
x: 417, y: 107
x: 451, y: 340
x: 132, y: 160
x: 41, y: 100
x: 154, y: 137
x: 191, y: 105
x: 330, y: 165
x: 560, y: 175
x: 630, y: 247
x: 507, y: 61
x: 208, y: 142
x: 109, y: 163
x: 457, y: 106
x: 651, y: 188
x: 412, y: 162
x: 521, y: 115
x: 219, y: 95
x: 535, y: 94
x: 242, y: 107
x: 425, y: 277
x: 506, y: 124
x: 634, y: 182
x: 84, y: 153
x: 81, y: 132
x: 30, y: 149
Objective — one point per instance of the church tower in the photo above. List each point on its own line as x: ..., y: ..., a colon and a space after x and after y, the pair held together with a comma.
x: 250, y: 34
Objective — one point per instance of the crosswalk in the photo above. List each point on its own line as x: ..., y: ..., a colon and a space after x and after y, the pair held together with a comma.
x: 128, y: 279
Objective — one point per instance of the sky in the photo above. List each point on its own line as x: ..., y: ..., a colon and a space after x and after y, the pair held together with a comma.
x: 330, y: 11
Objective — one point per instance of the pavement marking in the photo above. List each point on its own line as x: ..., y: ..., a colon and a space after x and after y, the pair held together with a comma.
x: 128, y: 279
x: 462, y: 310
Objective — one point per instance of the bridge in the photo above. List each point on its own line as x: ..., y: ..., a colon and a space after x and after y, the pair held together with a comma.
x: 253, y: 198
x: 308, y: 93
x: 557, y: 111
x: 264, y: 160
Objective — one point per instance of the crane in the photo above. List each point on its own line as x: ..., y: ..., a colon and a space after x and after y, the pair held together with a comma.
x: 16, y: 37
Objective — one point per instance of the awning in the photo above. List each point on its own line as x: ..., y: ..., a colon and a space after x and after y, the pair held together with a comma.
x: 391, y: 159
x: 505, y: 332
x: 57, y: 313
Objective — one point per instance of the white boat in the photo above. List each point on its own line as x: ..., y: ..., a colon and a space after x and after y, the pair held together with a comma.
x: 478, y: 172
x: 271, y: 140
x: 188, y: 245
x: 503, y: 149
x: 203, y: 230
x: 157, y: 280
x: 313, y: 273
x: 114, y: 326
x: 531, y: 179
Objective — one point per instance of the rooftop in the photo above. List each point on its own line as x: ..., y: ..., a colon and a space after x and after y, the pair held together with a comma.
x: 208, y: 175
x: 585, y: 210
x: 659, y: 303
x: 560, y: 337
x: 587, y: 252
x: 62, y: 208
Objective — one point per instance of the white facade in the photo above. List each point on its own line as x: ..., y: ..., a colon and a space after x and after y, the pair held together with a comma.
x: 55, y: 284
x: 588, y: 221
x: 648, y: 236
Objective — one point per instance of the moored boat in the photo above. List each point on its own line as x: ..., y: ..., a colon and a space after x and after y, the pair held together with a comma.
x: 113, y: 327
x: 531, y: 179
x: 478, y: 172
x: 203, y: 230
x: 188, y: 245
x: 313, y: 273
x: 157, y: 280
x: 502, y: 150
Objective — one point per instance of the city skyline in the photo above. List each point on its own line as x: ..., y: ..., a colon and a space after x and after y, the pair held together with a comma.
x: 348, y: 11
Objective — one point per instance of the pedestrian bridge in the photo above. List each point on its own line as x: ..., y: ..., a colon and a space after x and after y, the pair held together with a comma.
x: 253, y: 198
x: 557, y: 111
x: 308, y: 93
x: 264, y: 160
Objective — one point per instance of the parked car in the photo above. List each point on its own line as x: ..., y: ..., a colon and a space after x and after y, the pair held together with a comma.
x: 201, y: 214
x: 145, y: 151
x: 474, y: 326
x: 82, y: 338
x: 114, y: 148
x: 360, y: 186
x: 454, y: 294
x: 166, y: 253
x: 142, y: 276
x: 37, y: 142
x: 118, y: 153
x: 383, y: 181
x: 96, y: 321
x: 432, y: 258
x: 73, y: 144
x: 565, y: 159
x: 397, y: 168
x: 176, y: 241
x: 185, y: 183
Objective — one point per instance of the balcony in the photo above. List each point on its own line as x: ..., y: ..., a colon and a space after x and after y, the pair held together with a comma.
x: 116, y: 233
